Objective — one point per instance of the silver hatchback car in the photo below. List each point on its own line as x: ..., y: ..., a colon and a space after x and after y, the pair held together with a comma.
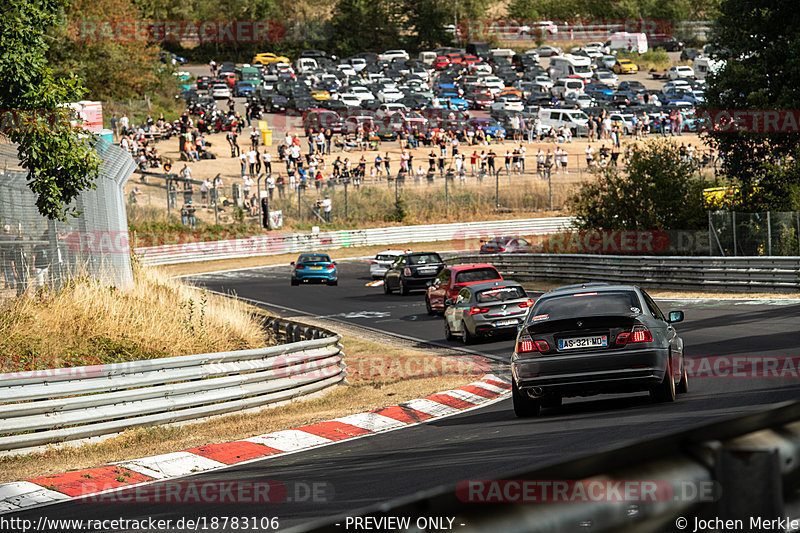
x: 486, y: 309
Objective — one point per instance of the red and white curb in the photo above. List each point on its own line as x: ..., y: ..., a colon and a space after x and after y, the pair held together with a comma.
x: 45, y: 490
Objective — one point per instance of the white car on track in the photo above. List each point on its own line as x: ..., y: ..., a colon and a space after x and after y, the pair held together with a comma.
x: 383, y: 261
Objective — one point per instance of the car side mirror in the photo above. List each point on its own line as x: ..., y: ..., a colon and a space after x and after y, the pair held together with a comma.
x: 291, y: 264
x: 448, y: 301
x: 675, y: 316
x: 334, y: 262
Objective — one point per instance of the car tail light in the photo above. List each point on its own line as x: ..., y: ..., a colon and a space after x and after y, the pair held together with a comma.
x: 542, y: 346
x: 527, y: 303
x: 639, y: 334
x: 477, y: 310
x: 329, y: 266
x: 525, y: 346
x: 501, y: 249
x: 298, y: 267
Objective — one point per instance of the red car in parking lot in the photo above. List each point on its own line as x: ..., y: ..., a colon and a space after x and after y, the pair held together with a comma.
x: 452, y: 279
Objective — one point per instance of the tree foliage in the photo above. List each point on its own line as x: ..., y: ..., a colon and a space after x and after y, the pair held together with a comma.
x: 762, y: 73
x: 109, y: 68
x: 659, y: 191
x: 426, y: 21
x: 364, y: 25
x: 58, y: 158
x: 602, y: 9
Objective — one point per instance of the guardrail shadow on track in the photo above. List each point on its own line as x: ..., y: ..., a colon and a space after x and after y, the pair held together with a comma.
x: 744, y: 469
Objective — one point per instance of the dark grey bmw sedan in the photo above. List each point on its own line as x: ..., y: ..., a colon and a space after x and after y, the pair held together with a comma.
x: 596, y: 338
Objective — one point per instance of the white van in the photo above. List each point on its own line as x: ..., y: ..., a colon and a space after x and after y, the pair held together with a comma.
x: 623, y: 40
x: 703, y: 66
x: 564, y: 87
x: 570, y: 65
x: 305, y: 64
x: 427, y: 57
x: 574, y: 119
x: 502, y: 53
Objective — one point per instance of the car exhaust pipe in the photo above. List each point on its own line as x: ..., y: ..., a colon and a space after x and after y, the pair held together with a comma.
x: 535, y: 392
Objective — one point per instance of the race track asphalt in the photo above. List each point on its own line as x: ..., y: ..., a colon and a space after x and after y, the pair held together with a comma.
x: 483, y: 443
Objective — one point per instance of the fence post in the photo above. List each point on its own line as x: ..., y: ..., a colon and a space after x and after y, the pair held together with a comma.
x: 733, y: 225
x: 710, y: 228
x: 769, y: 233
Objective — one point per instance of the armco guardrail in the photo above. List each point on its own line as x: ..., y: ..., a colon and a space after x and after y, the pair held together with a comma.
x: 465, y: 233
x: 742, y: 469
x: 678, y: 272
x: 48, y: 406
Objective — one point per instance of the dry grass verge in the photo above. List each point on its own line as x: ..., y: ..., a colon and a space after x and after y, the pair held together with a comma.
x: 88, y: 323
x: 380, y: 375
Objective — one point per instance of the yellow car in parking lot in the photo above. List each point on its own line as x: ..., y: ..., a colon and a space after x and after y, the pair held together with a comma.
x: 268, y: 57
x: 320, y: 95
x: 625, y: 66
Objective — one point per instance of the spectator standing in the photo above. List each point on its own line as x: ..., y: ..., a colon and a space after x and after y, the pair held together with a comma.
x: 252, y: 157
x: 233, y: 143
x: 115, y: 126
x: 204, y: 188
x: 266, y: 158
x: 490, y: 160
x: 216, y: 190
x: 243, y: 163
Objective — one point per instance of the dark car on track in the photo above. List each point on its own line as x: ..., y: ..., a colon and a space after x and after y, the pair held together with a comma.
x: 411, y: 272
x: 489, y: 308
x: 314, y: 268
x: 596, y: 338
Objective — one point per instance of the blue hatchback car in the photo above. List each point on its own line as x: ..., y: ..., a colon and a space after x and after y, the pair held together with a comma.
x: 314, y: 268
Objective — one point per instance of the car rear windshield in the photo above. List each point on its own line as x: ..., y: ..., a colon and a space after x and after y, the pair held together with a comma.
x: 385, y: 257
x: 315, y: 259
x: 424, y: 259
x: 589, y: 303
x: 500, y: 294
x: 478, y: 274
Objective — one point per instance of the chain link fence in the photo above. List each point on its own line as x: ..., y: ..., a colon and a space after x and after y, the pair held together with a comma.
x: 37, y: 252
x: 770, y: 233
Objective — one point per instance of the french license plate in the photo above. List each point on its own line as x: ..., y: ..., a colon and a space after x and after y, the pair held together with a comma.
x: 507, y: 322
x: 315, y: 268
x: 583, y: 342
x: 427, y: 270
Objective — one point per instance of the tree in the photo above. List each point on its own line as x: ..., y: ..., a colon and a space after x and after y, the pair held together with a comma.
x: 426, y: 21
x: 359, y: 25
x: 660, y: 191
x: 762, y: 73
x: 110, y: 68
x: 57, y: 156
